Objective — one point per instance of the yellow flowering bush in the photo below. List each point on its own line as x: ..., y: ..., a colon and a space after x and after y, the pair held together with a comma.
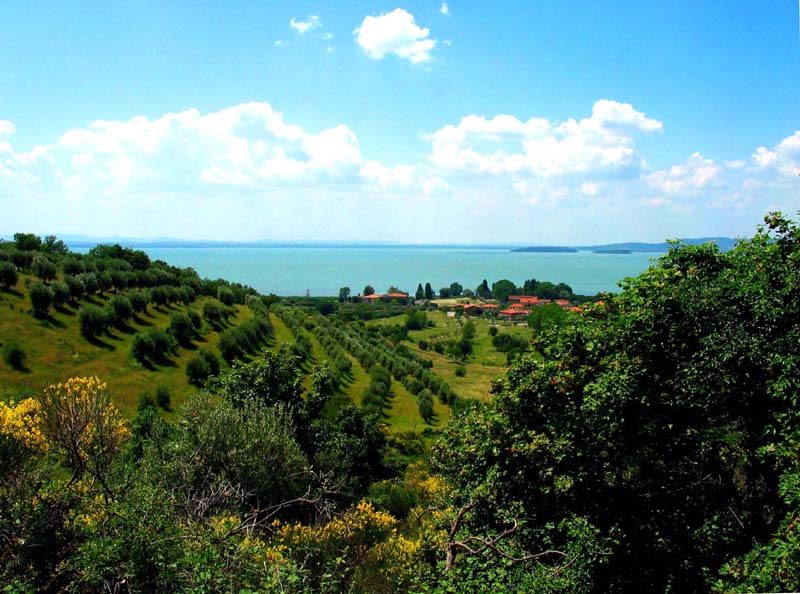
x: 21, y: 421
x: 361, y: 548
x: 79, y: 421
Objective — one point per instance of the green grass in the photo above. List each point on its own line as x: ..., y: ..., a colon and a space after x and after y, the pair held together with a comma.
x: 56, y: 351
x: 483, y: 366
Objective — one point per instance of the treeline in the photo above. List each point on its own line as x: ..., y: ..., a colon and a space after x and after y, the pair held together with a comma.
x: 502, y: 289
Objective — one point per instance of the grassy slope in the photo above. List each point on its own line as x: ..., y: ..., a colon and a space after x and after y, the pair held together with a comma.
x: 56, y: 351
x: 485, y: 364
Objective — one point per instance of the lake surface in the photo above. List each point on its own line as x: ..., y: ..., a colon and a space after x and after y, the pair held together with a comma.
x: 322, y: 271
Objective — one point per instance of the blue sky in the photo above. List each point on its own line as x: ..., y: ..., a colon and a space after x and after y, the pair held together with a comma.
x: 534, y: 122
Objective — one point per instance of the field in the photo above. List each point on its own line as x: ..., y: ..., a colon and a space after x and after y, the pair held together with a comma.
x: 55, y: 350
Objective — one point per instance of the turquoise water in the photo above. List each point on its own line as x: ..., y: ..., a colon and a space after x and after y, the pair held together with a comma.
x: 323, y: 270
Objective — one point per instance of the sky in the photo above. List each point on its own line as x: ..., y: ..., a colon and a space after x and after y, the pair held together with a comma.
x: 538, y: 122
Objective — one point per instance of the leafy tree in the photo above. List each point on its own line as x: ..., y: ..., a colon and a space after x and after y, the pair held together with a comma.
x: 60, y: 293
x: 212, y: 312
x: 122, y: 308
x: 444, y: 292
x: 181, y: 327
x: 225, y: 295
x: 344, y: 294
x: 139, y: 301
x: 41, y: 299
x: 502, y: 289
x: 368, y: 290
x: 43, y: 268
x: 323, y: 388
x: 665, y: 419
x: 202, y: 367
x: 425, y: 405
x: 547, y: 316
x: 92, y: 321
x: 53, y: 245
x: 90, y: 283
x: 482, y: 290
x: 429, y: 292
x: 456, y: 290
x: 420, y: 294
x: 27, y: 242
x: 14, y: 355
x: 76, y: 287
x: 8, y: 275
x: 276, y: 378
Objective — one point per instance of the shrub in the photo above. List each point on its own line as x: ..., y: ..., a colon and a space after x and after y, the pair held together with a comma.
x: 138, y: 301
x: 212, y: 312
x: 181, y: 327
x: 461, y: 371
x: 225, y: 295
x: 41, y: 299
x: 492, y: 331
x: 425, y: 404
x: 423, y: 344
x: 142, y: 347
x: 122, y: 307
x: 92, y: 321
x: 195, y: 319
x: 163, y: 397
x: 201, y: 367
x: 14, y: 355
x: 152, y: 345
x: 90, y: 283
x: 8, y: 275
x: 60, y: 293
x: 75, y: 286
x: 43, y: 268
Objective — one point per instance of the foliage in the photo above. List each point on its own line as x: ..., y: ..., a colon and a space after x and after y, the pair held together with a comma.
x: 41, y: 299
x: 8, y: 275
x: 14, y: 355
x: 664, y: 417
x: 275, y: 378
x: 92, y: 321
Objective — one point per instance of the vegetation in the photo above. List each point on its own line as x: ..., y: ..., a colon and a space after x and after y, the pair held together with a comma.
x: 647, y: 443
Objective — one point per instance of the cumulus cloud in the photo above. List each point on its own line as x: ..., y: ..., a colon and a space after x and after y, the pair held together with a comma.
x: 784, y: 158
x: 312, y: 22
x: 444, y: 8
x: 492, y: 177
x: 600, y: 144
x: 695, y: 174
x: 395, y: 33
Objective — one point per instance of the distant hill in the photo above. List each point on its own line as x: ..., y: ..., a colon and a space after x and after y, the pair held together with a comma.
x: 724, y: 243
x: 548, y: 249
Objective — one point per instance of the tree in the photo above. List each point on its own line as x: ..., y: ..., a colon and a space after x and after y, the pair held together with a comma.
x: 502, y: 289
x: 368, y: 290
x: 41, y: 299
x: 8, y: 275
x: 482, y: 290
x: 429, y: 295
x: 53, y: 245
x: 323, y: 388
x: 344, y: 294
x: 60, y: 293
x: 420, y: 294
x: 122, y: 308
x: 456, y: 289
x: 181, y: 328
x: 444, y: 292
x: 92, y: 321
x: 75, y: 286
x: 225, y: 295
x: 277, y: 378
x: 665, y: 419
x: 27, y: 242
x: 43, y: 268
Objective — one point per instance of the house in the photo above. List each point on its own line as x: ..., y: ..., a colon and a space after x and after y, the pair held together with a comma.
x: 514, y: 314
x: 375, y: 297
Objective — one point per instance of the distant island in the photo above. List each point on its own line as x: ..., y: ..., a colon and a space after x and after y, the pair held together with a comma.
x: 724, y: 243
x: 548, y: 249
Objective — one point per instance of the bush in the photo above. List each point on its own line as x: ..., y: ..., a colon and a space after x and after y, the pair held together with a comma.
x: 492, y: 331
x: 14, y: 355
x: 43, y: 268
x: 461, y: 371
x: 423, y: 344
x: 8, y: 275
x: 225, y: 295
x: 202, y: 367
x: 138, y: 301
x: 92, y: 321
x: 425, y: 404
x: 41, y: 299
x: 195, y: 319
x: 122, y: 308
x: 163, y: 397
x: 152, y: 346
x: 76, y: 287
x: 60, y: 293
x: 181, y: 327
x: 212, y: 312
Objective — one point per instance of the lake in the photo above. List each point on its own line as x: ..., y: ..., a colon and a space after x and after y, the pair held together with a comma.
x: 292, y: 270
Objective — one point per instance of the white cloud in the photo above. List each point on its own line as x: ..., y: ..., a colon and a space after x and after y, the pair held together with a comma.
x: 395, y: 33
x: 602, y: 144
x: 328, y: 36
x: 695, y: 174
x: 591, y: 188
x: 303, y: 27
x: 330, y: 49
x: 784, y: 158
x: 402, y: 176
x: 447, y: 42
x: 279, y: 42
x: 6, y: 127
x: 445, y: 9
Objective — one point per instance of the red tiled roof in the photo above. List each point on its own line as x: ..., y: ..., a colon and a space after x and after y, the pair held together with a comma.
x: 373, y: 296
x: 396, y: 295
x: 514, y: 312
x: 489, y: 306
